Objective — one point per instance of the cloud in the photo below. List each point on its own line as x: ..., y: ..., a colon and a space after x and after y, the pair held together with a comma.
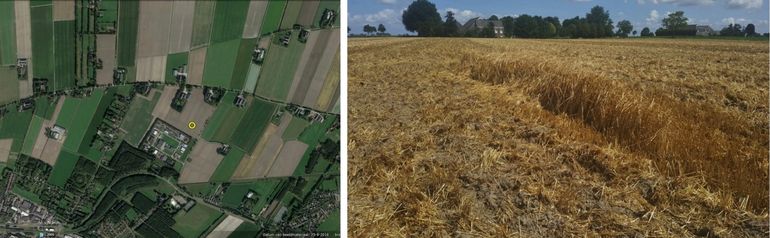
x: 679, y: 2
x: 732, y: 20
x: 461, y: 16
x: 391, y: 2
x: 744, y: 4
x: 653, y: 17
x: 388, y: 17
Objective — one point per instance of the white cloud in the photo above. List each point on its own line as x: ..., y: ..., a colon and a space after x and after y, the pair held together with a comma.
x: 388, y: 1
x: 461, y: 15
x: 388, y: 17
x: 745, y: 4
x: 679, y: 2
x: 653, y: 17
x: 732, y: 20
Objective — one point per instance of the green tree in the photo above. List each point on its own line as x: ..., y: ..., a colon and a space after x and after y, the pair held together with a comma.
x: 507, y: 26
x: 624, y: 28
x: 675, y: 21
x: 422, y: 17
x: 368, y: 29
x: 600, y: 21
x: 488, y: 31
x: 646, y: 32
x: 750, y: 30
x: 450, y: 24
x: 493, y: 18
x: 381, y: 29
x: 555, y: 22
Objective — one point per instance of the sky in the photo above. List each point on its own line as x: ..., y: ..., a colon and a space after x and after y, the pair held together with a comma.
x: 641, y: 13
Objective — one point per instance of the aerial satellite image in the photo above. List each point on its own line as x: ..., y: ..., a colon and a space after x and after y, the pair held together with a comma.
x: 169, y: 118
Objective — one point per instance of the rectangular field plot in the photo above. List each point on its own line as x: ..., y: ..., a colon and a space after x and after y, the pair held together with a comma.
x: 290, y: 14
x: 7, y: 33
x: 223, y: 122
x: 76, y: 116
x: 139, y: 117
x: 227, y: 166
x: 229, y: 18
x: 249, y: 131
x: 10, y: 85
x: 254, y: 19
x: 278, y: 70
x: 174, y: 61
x: 14, y: 125
x: 64, y: 55
x: 42, y: 42
x: 63, y: 168
x: 128, y: 19
x: 242, y: 64
x: 220, y: 59
x: 192, y: 223
x: 202, y: 23
x: 273, y: 15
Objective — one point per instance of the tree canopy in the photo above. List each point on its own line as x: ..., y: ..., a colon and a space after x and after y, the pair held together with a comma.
x: 625, y: 28
x: 422, y: 17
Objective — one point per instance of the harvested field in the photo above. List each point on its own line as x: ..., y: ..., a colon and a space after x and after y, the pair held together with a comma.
x: 5, y: 149
x: 64, y: 10
x: 202, y: 22
x: 197, y: 62
x: 105, y: 50
x: 154, y: 29
x: 202, y: 163
x: 534, y: 138
x: 254, y: 18
x: 290, y: 155
x: 260, y: 161
x: 290, y: 14
x: 330, y: 92
x: 24, y: 43
x: 181, y: 26
x: 323, y: 63
x: 150, y: 69
x: 225, y: 227
x: 307, y: 12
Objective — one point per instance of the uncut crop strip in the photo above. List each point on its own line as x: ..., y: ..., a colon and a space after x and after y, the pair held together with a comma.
x: 671, y: 133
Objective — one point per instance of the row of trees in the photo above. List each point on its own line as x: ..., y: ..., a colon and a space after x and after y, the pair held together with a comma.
x: 370, y: 30
x: 422, y: 17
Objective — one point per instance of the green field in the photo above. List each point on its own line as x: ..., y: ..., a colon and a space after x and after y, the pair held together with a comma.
x: 128, y: 18
x: 10, y: 89
x: 236, y: 192
x: 42, y: 43
x: 64, y: 55
x: 220, y: 59
x: 174, y: 61
x: 272, y: 19
x: 227, y: 166
x: 222, y: 124
x: 290, y: 14
x: 246, y: 229
x: 33, y: 130
x: 295, y: 128
x: 279, y: 68
x: 195, y: 221
x: 44, y: 108
x: 14, y: 125
x: 312, y: 136
x: 249, y: 131
x: 242, y: 64
x: 139, y: 117
x: 199, y: 189
x: 229, y: 18
x: 7, y: 33
x: 76, y: 116
x: 63, y: 168
x: 27, y: 194
x: 202, y: 23
x: 331, y: 224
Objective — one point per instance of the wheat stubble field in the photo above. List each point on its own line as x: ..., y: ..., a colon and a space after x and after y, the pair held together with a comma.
x: 508, y: 137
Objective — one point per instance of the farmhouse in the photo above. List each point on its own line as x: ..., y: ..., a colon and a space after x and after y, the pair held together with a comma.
x: 479, y: 24
x: 704, y: 31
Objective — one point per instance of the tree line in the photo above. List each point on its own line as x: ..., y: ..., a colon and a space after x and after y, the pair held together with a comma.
x: 423, y: 18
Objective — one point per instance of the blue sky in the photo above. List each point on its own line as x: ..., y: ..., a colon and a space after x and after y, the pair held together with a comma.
x: 641, y: 13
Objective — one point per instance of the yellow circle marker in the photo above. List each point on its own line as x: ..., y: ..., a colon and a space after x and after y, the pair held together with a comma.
x: 191, y: 125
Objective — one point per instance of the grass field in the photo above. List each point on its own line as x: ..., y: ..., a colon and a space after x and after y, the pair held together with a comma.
x: 193, y: 223
x: 557, y: 138
x: 290, y: 14
x: 229, y: 18
x: 76, y: 116
x: 331, y: 224
x: 7, y: 33
x: 10, y: 89
x: 14, y: 125
x: 44, y: 108
x: 42, y: 43
x: 242, y: 64
x: 272, y: 20
x: 249, y: 131
x: 227, y: 167
x: 279, y: 69
x: 174, y: 61
x: 220, y: 59
x: 139, y: 117
x: 246, y: 229
x: 128, y: 18
x: 295, y: 128
x: 202, y: 23
x: 222, y: 124
x: 64, y: 55
x: 29, y: 140
x: 63, y: 168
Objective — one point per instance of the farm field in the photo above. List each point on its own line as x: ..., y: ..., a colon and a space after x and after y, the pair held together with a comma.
x: 193, y: 223
x: 7, y: 33
x: 487, y: 137
x: 128, y: 19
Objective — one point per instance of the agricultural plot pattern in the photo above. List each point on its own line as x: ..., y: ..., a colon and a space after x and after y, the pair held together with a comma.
x: 158, y: 119
x: 558, y: 138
